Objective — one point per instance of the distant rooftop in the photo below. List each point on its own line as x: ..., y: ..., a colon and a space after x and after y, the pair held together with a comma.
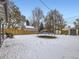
x: 29, y: 27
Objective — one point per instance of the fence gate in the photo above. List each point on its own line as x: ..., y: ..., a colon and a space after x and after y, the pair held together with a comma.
x: 72, y: 31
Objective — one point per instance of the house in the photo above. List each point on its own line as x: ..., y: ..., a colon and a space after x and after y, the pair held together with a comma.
x: 31, y: 28
x: 2, y: 11
x: 70, y: 31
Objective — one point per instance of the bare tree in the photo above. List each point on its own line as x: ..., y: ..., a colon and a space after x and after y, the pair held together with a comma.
x: 54, y: 21
x: 37, y: 15
x: 48, y: 24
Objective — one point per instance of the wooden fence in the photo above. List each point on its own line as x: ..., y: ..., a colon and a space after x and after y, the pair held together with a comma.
x: 19, y: 31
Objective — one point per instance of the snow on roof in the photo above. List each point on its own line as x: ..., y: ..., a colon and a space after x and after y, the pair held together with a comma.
x: 29, y: 27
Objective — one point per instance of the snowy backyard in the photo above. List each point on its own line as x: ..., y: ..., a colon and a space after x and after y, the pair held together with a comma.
x: 32, y: 47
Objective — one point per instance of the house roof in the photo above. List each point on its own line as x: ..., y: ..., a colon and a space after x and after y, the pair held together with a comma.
x: 29, y: 27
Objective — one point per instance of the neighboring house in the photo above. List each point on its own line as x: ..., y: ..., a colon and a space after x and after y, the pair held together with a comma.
x: 2, y: 11
x: 28, y: 28
x: 5, y: 11
x: 31, y: 28
x: 70, y: 31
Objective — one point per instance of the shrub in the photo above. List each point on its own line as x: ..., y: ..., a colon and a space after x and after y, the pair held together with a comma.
x: 9, y: 35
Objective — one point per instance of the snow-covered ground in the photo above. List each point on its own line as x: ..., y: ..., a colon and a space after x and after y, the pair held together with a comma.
x: 32, y: 47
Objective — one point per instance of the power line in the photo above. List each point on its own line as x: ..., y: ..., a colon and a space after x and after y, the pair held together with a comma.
x: 72, y: 17
x: 44, y: 4
x: 50, y: 9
